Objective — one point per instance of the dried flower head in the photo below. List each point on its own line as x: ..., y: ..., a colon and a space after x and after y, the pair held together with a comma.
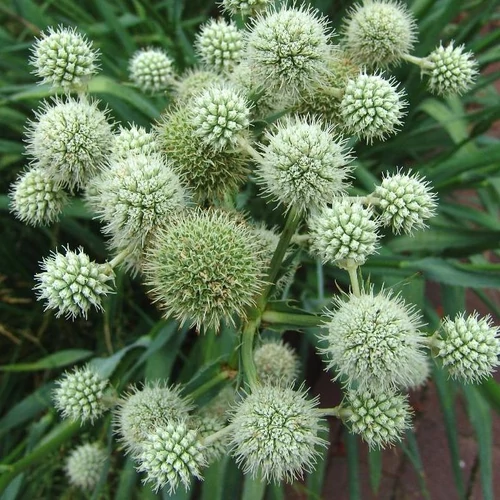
x: 204, y: 268
x: 344, y: 233
x: 406, y: 202
x: 36, y: 199
x: 151, y: 70
x: 276, y: 363
x: 303, y: 164
x: 79, y: 394
x: 63, y: 57
x: 372, y: 107
x: 85, y: 464
x: 275, y: 433
x: 374, y: 341
x: 469, y: 347
x: 71, y: 139
x: 379, y: 32
x: 219, y: 45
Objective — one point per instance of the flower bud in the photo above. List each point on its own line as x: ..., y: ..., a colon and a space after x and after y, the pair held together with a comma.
x: 134, y: 140
x: 85, y: 465
x: 276, y: 363
x: 151, y: 70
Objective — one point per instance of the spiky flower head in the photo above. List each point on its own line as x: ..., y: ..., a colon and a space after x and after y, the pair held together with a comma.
x: 193, y: 81
x: 244, y: 7
x: 85, y: 465
x: 379, y: 32
x: 79, y: 394
x: 275, y: 433
x: 204, y: 268
x: 133, y: 140
x: 452, y: 70
x: 344, y: 233
x: 372, y: 107
x: 219, y: 45
x: 151, y: 70
x: 276, y: 363
x: 374, y: 341
x: 220, y: 404
x: 380, y: 418
x: 469, y: 347
x: 287, y: 48
x: 71, y: 283
x: 141, y: 410
x: 406, y: 202
x: 171, y: 454
x: 71, y: 139
x: 36, y: 199
x: 303, y: 164
x: 208, y: 173
x: 64, y: 57
x: 205, y: 426
x: 134, y: 197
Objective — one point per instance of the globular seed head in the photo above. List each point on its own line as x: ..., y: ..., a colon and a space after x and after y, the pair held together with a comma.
x: 151, y: 70
x: 84, y: 465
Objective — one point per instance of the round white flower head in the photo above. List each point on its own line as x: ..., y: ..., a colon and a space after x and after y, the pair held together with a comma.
x: 72, y: 283
x: 71, y: 140
x: 220, y: 116
x: 275, y: 433
x: 276, y: 363
x: 85, y: 464
x: 140, y: 411
x: 287, y: 48
x: 303, y: 163
x: 193, y: 81
x: 406, y: 202
x: 209, y: 173
x: 372, y: 107
x: 378, y: 33
x: 65, y: 58
x: 374, y: 341
x: 133, y: 140
x: 205, y: 426
x: 469, y: 347
x: 171, y: 454
x: 151, y: 70
x: 244, y: 7
x: 36, y: 199
x: 204, y: 268
x: 380, y: 418
x: 453, y: 71
x: 135, y: 196
x: 343, y: 232
x: 79, y: 394
x: 219, y: 45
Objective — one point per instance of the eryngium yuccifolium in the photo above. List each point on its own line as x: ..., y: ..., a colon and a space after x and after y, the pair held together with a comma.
x: 372, y: 107
x: 303, y: 163
x: 220, y: 404
x: 36, y: 199
x: 205, y: 426
x: 378, y: 33
x: 64, y: 57
x: 151, y: 70
x: 204, y: 268
x: 219, y: 45
x: 276, y: 363
x: 380, y: 418
x: 244, y: 7
x: 220, y: 116
x: 469, y: 347
x: 171, y: 454
x: 193, y: 81
x: 343, y: 232
x: 79, y: 395
x: 406, y: 202
x: 135, y: 196
x: 275, y: 433
x: 141, y: 410
x: 71, y: 139
x: 452, y: 71
x: 374, y: 341
x: 72, y: 283
x: 133, y: 140
x: 209, y: 173
x: 287, y: 48
x: 85, y: 465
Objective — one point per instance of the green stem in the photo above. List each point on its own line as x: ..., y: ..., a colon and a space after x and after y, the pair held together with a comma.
x: 61, y: 435
x: 337, y: 411
x: 352, y: 269
x: 298, y: 320
x: 217, y: 435
x: 247, y: 360
x: 421, y: 62
x: 248, y: 148
x: 365, y: 200
x: 118, y: 259
x: 220, y: 377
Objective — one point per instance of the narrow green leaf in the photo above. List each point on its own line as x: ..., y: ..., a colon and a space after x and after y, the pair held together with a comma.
x: 56, y: 360
x: 375, y: 467
x: 351, y: 444
x: 127, y: 481
x: 490, y: 389
x: 253, y: 488
x: 413, y: 454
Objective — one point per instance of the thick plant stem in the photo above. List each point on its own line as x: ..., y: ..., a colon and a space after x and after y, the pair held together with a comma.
x: 297, y: 320
x: 247, y: 361
x: 352, y: 269
x: 422, y: 63
x: 217, y: 435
